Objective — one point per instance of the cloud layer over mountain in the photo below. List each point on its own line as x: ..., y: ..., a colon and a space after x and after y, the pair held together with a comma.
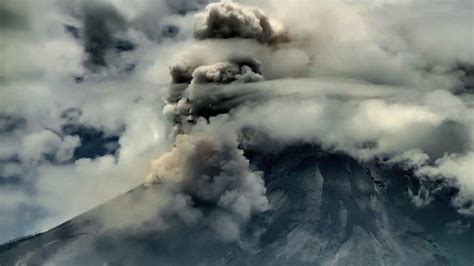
x: 93, y: 91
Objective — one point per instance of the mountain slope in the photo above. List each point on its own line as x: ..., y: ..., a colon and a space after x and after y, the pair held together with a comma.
x: 327, y: 209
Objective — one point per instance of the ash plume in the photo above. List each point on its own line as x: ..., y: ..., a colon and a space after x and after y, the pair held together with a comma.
x: 275, y: 126
x: 242, y: 70
x: 225, y: 73
x: 211, y: 169
x: 227, y: 19
x: 217, y: 92
x: 219, y: 21
x: 208, y: 165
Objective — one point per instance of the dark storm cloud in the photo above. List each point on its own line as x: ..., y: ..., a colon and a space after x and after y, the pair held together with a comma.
x: 161, y: 20
x: 9, y: 123
x: 11, y: 17
x: 185, y: 6
x: 450, y: 137
x: 102, y: 22
x: 466, y: 76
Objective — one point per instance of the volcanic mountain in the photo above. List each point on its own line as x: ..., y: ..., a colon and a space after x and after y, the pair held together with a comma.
x: 310, y: 134
x: 327, y: 209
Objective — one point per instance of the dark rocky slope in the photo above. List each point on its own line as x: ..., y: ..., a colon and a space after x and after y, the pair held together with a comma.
x: 328, y: 209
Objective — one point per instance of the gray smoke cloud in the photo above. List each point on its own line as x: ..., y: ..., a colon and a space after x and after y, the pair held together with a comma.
x: 225, y: 73
x: 209, y: 167
x: 212, y: 90
x: 242, y: 70
x: 415, y: 126
x: 227, y: 19
x: 102, y: 23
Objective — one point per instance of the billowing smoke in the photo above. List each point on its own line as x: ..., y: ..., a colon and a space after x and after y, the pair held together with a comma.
x: 226, y: 72
x: 242, y: 70
x: 226, y: 88
x: 188, y: 80
x: 209, y: 166
x: 227, y: 19
x: 101, y: 23
x: 193, y: 74
x: 211, y: 169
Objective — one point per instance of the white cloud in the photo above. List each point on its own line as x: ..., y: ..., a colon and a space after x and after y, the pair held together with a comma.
x: 459, y: 169
x: 39, y: 145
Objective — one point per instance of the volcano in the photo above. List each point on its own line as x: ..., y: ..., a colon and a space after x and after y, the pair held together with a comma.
x: 287, y: 133
x: 327, y: 209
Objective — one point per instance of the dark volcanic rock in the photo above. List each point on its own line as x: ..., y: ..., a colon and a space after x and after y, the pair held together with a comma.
x: 327, y: 209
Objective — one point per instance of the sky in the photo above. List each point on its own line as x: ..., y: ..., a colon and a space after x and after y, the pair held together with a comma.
x: 97, y: 97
